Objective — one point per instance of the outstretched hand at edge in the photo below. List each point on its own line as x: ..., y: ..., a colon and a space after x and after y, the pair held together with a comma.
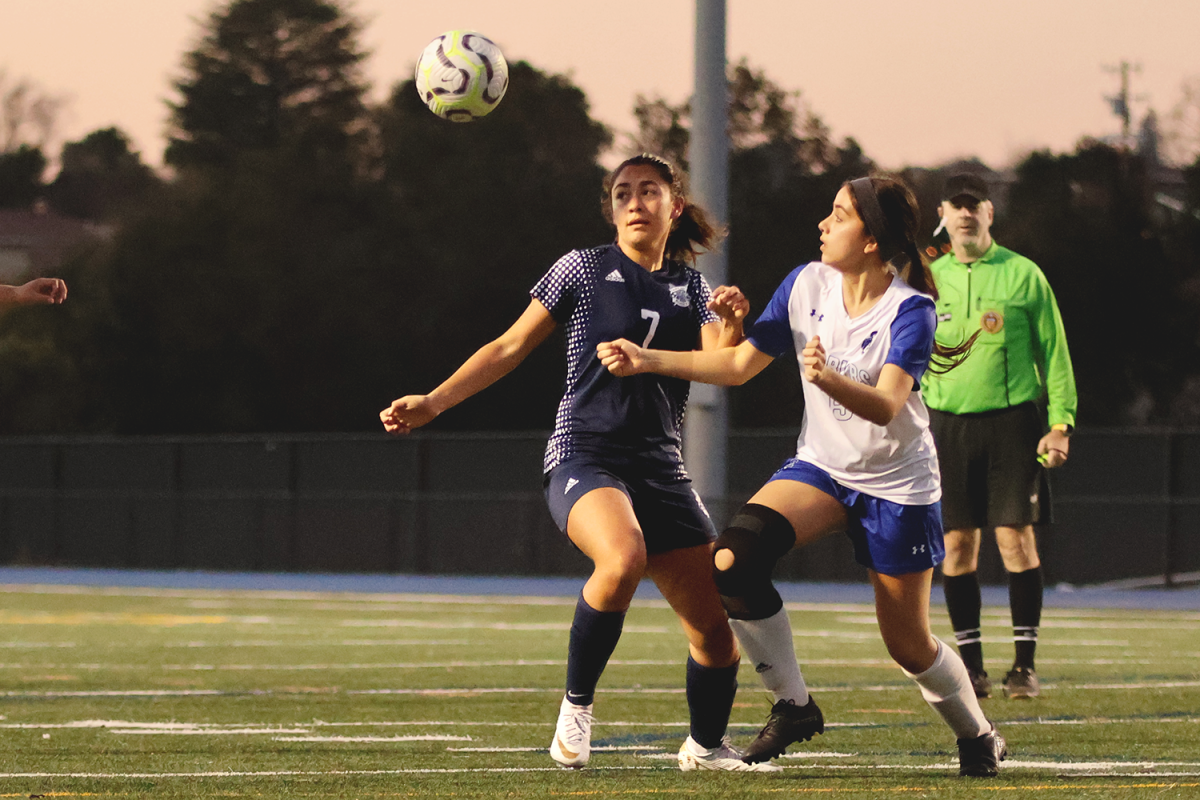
x: 407, y: 413
x: 39, y: 291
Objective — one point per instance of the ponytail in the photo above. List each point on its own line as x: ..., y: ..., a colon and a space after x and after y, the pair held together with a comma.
x: 891, y: 214
x: 693, y: 233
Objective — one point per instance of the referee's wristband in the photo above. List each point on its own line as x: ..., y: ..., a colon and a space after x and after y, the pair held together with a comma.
x: 1063, y: 428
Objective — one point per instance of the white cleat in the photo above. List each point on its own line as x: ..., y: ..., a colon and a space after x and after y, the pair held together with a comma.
x: 572, y: 743
x: 725, y: 758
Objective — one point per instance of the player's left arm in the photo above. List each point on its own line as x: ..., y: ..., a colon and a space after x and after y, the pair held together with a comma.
x: 731, y: 308
x: 879, y: 403
x: 1054, y: 362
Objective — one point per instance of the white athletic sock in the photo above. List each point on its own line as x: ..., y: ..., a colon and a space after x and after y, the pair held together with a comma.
x: 767, y: 644
x: 946, y: 686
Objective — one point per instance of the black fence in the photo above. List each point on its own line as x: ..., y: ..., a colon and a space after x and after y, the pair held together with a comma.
x: 1127, y: 505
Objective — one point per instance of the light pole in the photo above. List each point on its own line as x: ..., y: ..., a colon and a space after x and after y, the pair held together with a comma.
x: 706, y: 431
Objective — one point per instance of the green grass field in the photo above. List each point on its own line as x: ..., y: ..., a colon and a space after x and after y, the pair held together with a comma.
x: 198, y: 694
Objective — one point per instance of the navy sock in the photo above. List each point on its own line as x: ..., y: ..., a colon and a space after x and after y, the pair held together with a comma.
x: 594, y: 636
x: 1025, y: 600
x: 710, y: 692
x: 964, y: 602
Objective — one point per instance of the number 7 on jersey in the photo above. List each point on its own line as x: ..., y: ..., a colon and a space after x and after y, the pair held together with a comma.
x: 653, y: 317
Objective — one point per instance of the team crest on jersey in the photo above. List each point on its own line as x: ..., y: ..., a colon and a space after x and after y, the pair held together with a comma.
x: 867, y: 341
x: 992, y: 321
x: 679, y: 296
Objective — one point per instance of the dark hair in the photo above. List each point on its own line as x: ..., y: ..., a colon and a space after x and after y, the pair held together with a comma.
x: 901, y: 226
x: 693, y: 232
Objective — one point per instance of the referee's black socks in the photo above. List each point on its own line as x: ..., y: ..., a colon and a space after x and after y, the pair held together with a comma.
x: 963, y: 602
x: 1025, y: 600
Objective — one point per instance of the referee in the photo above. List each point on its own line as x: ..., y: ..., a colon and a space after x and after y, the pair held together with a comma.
x: 1005, y: 413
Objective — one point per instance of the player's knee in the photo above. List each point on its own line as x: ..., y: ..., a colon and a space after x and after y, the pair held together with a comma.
x: 1018, y: 548
x: 744, y: 556
x: 621, y: 567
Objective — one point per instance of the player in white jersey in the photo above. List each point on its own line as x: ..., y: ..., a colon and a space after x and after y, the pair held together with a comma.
x: 862, y: 321
x: 614, y: 480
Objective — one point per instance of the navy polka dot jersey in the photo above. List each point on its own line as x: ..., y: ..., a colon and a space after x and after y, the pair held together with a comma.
x: 600, y: 295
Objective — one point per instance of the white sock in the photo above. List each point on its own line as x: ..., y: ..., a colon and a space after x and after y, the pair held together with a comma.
x: 946, y: 686
x: 767, y: 643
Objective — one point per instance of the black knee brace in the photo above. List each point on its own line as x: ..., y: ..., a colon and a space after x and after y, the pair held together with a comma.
x: 757, y: 537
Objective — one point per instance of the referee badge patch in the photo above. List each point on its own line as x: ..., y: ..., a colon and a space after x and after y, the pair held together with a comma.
x: 992, y: 321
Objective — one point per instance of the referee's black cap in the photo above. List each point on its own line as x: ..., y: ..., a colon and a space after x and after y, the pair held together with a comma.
x: 966, y: 183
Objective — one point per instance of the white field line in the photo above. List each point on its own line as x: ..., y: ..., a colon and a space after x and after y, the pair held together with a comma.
x: 207, y: 731
x: 429, y: 738
x: 521, y: 662
x: 881, y: 663
x: 1139, y: 769
x: 631, y: 748
x: 146, y: 728
x: 475, y: 691
x: 318, y: 643
x: 290, y: 596
x: 315, y: 773
x: 1066, y: 624
x: 128, y: 727
x: 637, y: 748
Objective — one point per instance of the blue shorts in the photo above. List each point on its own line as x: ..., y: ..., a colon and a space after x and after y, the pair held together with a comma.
x: 889, y: 538
x: 666, y: 506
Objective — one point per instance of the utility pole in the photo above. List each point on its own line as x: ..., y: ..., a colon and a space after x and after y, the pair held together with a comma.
x: 706, y: 431
x: 1121, y: 101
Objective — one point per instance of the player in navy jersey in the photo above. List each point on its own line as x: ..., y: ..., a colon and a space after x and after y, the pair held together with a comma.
x: 861, y: 320
x: 615, y: 481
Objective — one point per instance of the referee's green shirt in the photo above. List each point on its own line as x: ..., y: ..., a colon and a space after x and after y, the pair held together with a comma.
x: 1021, y: 354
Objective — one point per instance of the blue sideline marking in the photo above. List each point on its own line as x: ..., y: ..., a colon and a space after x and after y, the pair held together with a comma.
x: 1160, y: 599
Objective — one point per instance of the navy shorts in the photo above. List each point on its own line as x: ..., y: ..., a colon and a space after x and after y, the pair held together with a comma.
x: 890, y: 538
x: 666, y: 506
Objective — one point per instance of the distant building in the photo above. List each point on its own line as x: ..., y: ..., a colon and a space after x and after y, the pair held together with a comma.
x: 36, y: 243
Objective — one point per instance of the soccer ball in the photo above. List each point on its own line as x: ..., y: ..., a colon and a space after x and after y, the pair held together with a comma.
x: 461, y: 75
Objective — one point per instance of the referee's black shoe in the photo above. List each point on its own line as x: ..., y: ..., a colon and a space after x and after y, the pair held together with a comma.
x: 980, y: 757
x: 787, y: 725
x: 1021, y: 682
x: 980, y: 683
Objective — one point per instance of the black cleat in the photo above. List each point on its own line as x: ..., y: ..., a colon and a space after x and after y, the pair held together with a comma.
x: 980, y: 757
x: 980, y: 683
x: 1021, y: 682
x: 787, y: 725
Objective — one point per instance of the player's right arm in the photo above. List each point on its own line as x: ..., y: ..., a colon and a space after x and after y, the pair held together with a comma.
x: 39, y: 291
x: 727, y: 366
x: 489, y: 364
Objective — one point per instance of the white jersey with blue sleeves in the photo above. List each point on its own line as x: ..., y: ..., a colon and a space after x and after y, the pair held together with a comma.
x: 600, y: 295
x: 896, y: 462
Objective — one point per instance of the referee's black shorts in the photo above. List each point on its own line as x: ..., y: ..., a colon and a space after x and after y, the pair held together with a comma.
x: 990, y: 472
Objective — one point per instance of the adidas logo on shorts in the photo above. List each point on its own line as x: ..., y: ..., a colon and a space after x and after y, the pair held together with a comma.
x: 570, y: 485
x: 615, y: 276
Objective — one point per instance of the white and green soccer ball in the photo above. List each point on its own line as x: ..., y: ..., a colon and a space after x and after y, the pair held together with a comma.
x: 462, y: 75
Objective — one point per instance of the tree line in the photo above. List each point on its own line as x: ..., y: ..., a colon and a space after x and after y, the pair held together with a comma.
x: 310, y: 255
